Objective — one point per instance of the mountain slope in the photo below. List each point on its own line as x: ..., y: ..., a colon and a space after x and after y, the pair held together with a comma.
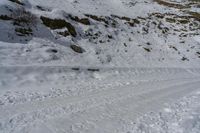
x: 111, y: 33
x: 99, y: 66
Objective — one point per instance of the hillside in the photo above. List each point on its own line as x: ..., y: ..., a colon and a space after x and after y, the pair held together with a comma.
x: 95, y: 33
x: 99, y: 66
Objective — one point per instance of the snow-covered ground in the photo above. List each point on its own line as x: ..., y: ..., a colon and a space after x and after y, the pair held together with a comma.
x: 57, y: 99
x: 99, y: 66
x: 179, y: 117
x: 116, y: 33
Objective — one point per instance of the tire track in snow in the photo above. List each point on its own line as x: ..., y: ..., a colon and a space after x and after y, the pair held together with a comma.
x: 49, y: 108
x: 57, y: 107
x: 126, y: 76
x: 116, y: 115
x: 127, y: 89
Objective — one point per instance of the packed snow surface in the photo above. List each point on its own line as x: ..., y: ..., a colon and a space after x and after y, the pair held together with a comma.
x: 57, y: 99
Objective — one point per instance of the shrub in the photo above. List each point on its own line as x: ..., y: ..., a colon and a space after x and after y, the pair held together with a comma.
x: 23, y: 31
x: 58, y: 24
x: 84, y: 21
x: 21, y: 17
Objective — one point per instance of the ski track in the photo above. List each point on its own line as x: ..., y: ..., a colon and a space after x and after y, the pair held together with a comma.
x: 94, y: 105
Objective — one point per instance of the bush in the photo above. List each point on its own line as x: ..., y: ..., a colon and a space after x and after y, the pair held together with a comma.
x: 84, y: 21
x: 23, y: 31
x: 21, y: 17
x: 58, y: 24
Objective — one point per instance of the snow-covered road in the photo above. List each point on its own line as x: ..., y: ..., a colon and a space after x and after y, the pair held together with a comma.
x: 60, y: 100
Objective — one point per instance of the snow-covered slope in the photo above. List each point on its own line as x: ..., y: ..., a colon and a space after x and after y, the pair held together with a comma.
x: 99, y: 66
x: 112, y: 33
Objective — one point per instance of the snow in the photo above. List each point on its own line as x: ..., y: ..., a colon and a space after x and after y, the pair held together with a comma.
x: 179, y: 117
x: 197, y: 38
x: 110, y: 53
x: 3, y: 2
x: 139, y: 79
x: 71, y: 101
